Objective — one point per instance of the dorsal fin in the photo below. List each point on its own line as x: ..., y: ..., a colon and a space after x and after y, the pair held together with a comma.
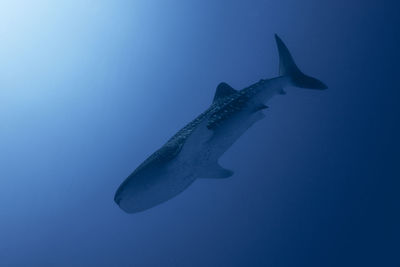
x: 223, y: 90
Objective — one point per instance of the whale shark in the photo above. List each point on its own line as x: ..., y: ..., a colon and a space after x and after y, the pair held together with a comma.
x: 194, y: 151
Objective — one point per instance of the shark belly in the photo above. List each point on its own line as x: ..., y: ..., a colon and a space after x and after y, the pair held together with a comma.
x: 226, y: 134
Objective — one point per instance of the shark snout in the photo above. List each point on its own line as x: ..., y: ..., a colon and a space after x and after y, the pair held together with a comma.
x: 117, y: 199
x: 118, y: 195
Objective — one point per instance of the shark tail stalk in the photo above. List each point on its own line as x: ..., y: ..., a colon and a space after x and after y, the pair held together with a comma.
x: 287, y: 67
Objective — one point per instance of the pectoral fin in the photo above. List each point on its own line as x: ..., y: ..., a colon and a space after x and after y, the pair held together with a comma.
x: 214, y: 171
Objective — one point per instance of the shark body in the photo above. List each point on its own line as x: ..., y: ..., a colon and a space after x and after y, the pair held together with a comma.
x: 193, y: 152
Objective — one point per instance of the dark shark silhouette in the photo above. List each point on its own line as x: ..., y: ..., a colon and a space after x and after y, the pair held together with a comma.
x: 193, y: 152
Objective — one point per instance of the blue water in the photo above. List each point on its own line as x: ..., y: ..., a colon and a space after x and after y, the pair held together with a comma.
x: 89, y: 89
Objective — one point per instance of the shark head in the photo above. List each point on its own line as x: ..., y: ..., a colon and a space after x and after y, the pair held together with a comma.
x: 140, y: 191
x: 159, y: 178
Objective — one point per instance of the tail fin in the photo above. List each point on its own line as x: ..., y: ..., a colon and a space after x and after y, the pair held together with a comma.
x: 287, y: 67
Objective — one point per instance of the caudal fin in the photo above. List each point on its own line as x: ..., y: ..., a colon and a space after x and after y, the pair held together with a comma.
x: 287, y: 67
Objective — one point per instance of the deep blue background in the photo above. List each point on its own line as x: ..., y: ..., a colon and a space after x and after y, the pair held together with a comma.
x: 88, y: 89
